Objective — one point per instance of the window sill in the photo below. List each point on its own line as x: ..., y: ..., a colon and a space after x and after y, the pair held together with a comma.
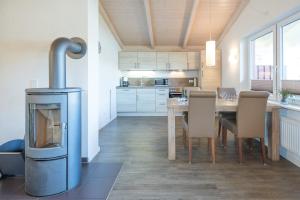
x: 286, y: 106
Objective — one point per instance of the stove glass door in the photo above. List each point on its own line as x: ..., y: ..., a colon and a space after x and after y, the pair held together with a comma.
x: 46, y: 126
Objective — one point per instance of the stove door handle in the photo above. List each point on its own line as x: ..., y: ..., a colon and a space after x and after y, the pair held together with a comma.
x: 63, y: 127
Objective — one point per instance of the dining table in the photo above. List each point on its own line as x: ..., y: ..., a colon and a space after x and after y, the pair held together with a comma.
x: 179, y: 105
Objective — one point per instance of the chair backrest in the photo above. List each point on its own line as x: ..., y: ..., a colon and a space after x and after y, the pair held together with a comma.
x: 201, y: 115
x: 226, y: 93
x: 251, y: 114
x: 187, y: 90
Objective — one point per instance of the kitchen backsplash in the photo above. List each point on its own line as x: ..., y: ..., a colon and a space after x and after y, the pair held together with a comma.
x: 172, y: 82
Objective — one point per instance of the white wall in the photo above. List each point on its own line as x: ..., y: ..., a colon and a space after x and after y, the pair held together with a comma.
x: 93, y: 79
x: 109, y: 75
x: 27, y: 30
x: 255, y: 16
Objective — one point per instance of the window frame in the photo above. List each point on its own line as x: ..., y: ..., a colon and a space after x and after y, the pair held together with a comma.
x: 277, y: 29
x: 252, y: 39
x: 280, y: 25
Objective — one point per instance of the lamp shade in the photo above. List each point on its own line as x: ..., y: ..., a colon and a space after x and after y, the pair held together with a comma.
x: 210, y: 53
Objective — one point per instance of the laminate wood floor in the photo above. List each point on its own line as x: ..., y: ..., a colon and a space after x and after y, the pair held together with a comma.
x: 141, y: 144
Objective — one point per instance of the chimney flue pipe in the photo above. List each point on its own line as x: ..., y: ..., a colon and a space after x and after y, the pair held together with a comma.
x: 74, y: 47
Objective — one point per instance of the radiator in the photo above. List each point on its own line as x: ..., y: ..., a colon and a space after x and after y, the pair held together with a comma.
x: 290, y: 139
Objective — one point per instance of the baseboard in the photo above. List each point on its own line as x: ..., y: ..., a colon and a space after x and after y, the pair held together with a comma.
x: 290, y: 156
x: 84, y: 160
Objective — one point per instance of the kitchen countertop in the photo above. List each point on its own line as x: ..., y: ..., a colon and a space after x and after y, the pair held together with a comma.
x: 143, y: 87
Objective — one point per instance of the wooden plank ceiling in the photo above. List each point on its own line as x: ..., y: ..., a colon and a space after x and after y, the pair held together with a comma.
x: 168, y: 22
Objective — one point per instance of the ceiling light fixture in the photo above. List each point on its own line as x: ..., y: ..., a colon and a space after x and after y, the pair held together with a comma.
x: 210, y: 45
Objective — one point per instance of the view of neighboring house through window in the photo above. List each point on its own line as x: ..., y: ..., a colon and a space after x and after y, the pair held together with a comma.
x: 290, y: 78
x: 262, y: 62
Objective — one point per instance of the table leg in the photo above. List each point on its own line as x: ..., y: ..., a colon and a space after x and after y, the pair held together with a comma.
x: 171, y: 134
x: 274, y: 135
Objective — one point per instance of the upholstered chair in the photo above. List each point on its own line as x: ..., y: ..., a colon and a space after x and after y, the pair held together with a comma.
x: 201, y: 119
x: 250, y: 121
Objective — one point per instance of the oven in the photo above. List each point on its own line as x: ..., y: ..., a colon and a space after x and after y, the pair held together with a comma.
x: 175, y: 92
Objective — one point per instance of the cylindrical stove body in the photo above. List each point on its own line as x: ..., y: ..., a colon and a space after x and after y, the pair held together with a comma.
x: 52, y: 140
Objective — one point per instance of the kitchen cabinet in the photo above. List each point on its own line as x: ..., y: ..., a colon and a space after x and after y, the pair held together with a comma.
x: 159, y: 60
x: 161, y: 96
x: 162, y: 61
x: 128, y: 60
x: 126, y: 100
x: 146, y: 61
x: 210, y: 77
x: 178, y: 60
x: 193, y: 62
x: 145, y: 100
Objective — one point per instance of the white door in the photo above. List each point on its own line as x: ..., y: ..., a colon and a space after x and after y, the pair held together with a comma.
x: 178, y: 60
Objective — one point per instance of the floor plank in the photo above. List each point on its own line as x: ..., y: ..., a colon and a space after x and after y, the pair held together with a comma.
x: 140, y: 143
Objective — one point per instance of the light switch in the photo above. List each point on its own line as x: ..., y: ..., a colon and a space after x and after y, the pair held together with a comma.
x: 33, y: 83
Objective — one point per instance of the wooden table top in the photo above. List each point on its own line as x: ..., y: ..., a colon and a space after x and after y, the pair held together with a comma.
x: 180, y: 105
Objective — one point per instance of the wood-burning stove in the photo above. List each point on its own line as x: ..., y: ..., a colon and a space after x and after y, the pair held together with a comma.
x: 53, y: 127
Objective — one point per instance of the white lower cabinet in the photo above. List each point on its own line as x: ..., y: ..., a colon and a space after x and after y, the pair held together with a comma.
x: 145, y: 100
x: 126, y: 100
x: 161, y: 96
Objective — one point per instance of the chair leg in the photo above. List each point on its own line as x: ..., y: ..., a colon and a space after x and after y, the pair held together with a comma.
x: 236, y: 142
x: 263, y: 150
x: 224, y: 137
x: 190, y: 150
x: 213, y: 150
x: 219, y: 130
x: 250, y: 144
x: 209, y: 144
x: 240, y: 141
x: 184, y: 137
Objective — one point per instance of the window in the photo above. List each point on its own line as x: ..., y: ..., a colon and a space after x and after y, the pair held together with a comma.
x: 290, y: 71
x: 262, y: 61
x: 277, y: 47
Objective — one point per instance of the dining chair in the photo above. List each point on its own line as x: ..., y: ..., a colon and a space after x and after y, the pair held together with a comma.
x: 250, y: 121
x: 187, y: 91
x: 201, y: 119
x: 225, y: 93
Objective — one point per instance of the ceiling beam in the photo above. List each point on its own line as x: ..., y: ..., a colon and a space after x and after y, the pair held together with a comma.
x: 110, y: 25
x: 149, y: 22
x: 190, y: 23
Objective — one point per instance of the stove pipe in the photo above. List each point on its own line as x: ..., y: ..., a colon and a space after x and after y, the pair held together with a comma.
x: 74, y: 47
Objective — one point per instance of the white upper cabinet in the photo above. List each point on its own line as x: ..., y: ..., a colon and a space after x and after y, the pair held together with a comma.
x: 128, y: 60
x: 162, y: 60
x: 159, y: 60
x: 178, y: 60
x: 193, y: 60
x: 146, y: 61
